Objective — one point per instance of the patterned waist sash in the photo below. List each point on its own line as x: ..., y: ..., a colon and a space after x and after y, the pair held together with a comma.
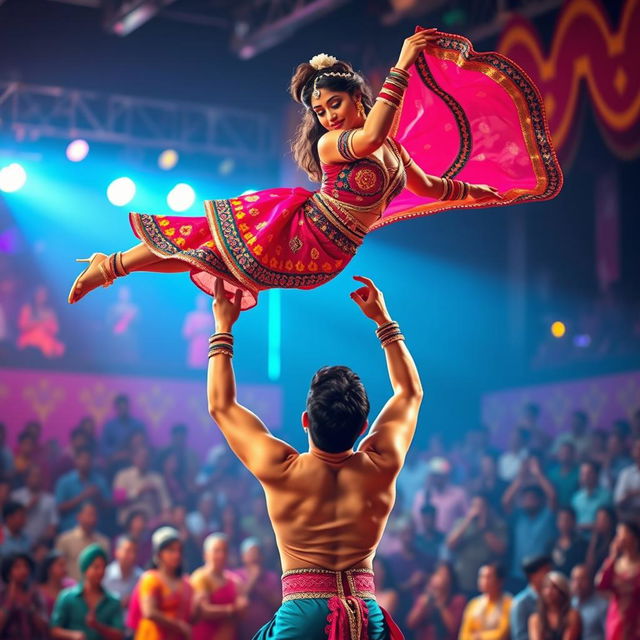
x: 345, y: 592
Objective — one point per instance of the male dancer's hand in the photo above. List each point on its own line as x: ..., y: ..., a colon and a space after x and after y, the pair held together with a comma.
x: 225, y: 311
x: 370, y: 299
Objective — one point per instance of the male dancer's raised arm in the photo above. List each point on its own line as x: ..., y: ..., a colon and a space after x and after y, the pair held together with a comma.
x: 392, y: 432
x: 246, y: 434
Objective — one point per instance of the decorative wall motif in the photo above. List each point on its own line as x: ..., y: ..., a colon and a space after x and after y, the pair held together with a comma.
x: 587, y: 54
x: 604, y: 399
x: 60, y: 400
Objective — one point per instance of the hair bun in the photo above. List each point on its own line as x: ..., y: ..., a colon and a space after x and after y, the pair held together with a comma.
x: 322, y: 61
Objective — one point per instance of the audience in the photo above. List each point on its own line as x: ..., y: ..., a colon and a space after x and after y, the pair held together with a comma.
x: 22, y: 612
x: 478, y: 539
x: 122, y: 574
x: 525, y: 603
x: 87, y: 611
x: 437, y: 613
x: 486, y: 617
x: 555, y: 619
x: 591, y: 605
x: 163, y: 597
x: 218, y: 598
x: 570, y: 548
x: 620, y: 578
x: 260, y: 586
x: 558, y: 512
x: 72, y: 543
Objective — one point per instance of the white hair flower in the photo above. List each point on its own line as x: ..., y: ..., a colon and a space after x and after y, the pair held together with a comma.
x: 322, y: 60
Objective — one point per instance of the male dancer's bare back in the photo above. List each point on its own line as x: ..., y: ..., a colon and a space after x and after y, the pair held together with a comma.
x: 328, y: 510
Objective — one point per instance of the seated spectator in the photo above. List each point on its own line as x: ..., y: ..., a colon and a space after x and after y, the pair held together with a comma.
x: 137, y: 488
x: 590, y: 497
x: 437, y: 613
x: 555, y: 618
x: 570, y: 548
x: 75, y: 488
x: 191, y: 551
x: 218, y: 599
x: 450, y: 501
x: 511, y: 461
x: 14, y: 538
x: 430, y: 541
x: 532, y: 524
x: 615, y: 461
x: 627, y: 491
x: 578, y: 435
x: 410, y: 568
x: 78, y: 439
x: 204, y: 520
x: 602, y: 535
x: 261, y: 587
x: 53, y: 579
x: 187, y: 460
x: 163, y: 594
x: 386, y: 592
x: 24, y: 459
x: 591, y: 606
x: 40, y: 505
x: 525, y: 603
x: 122, y: 574
x: 489, y: 482
x: 137, y: 530
x: 72, y: 543
x: 22, y: 612
x: 487, y: 616
x: 116, y: 435
x: 177, y: 489
x: 620, y: 577
x: 564, y: 474
x: 88, y: 608
x: 412, y: 477
x: 478, y: 539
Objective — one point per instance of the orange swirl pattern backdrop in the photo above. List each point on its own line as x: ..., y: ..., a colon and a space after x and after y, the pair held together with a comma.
x: 587, y: 53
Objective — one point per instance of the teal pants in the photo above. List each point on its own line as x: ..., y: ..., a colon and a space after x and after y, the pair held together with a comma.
x: 306, y: 619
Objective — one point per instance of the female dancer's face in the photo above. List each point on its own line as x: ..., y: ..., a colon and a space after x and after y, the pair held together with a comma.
x: 336, y: 110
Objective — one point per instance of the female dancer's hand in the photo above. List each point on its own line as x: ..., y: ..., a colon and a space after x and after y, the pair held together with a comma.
x: 413, y: 46
x: 225, y: 311
x: 370, y: 299
x: 483, y: 192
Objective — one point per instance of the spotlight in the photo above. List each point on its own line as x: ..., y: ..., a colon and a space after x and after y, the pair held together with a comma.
x: 582, y: 341
x: 558, y: 329
x: 12, y: 177
x: 121, y: 191
x: 77, y: 150
x: 168, y: 159
x: 181, y: 197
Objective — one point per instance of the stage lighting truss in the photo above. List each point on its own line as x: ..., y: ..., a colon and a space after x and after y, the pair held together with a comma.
x: 33, y: 112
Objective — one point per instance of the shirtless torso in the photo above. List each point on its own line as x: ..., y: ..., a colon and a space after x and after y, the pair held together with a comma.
x: 328, y: 510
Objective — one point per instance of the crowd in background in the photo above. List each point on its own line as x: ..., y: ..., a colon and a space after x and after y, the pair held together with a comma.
x: 107, y: 536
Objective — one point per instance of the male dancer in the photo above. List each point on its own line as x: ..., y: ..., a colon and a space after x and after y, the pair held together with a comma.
x: 328, y: 506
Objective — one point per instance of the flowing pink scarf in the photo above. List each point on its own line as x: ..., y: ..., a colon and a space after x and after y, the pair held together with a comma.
x: 476, y: 117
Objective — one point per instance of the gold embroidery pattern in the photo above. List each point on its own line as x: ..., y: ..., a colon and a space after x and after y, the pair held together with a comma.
x: 295, y: 244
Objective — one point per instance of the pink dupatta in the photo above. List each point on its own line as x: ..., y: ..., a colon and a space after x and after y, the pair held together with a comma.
x: 477, y: 117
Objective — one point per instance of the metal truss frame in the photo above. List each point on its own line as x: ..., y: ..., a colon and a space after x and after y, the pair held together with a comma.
x: 34, y: 111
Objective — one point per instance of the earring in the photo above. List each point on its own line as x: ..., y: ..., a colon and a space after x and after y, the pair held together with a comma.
x: 360, y: 109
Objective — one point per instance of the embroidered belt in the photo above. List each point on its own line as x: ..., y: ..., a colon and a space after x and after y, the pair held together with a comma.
x: 345, y: 592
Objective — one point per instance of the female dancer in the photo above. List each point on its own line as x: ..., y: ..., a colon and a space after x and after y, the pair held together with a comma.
x: 295, y: 238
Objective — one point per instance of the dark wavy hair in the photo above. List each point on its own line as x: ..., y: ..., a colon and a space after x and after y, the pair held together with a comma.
x: 305, y: 142
x: 338, y: 406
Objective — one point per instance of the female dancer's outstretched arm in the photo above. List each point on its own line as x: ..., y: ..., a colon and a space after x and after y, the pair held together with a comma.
x: 377, y: 124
